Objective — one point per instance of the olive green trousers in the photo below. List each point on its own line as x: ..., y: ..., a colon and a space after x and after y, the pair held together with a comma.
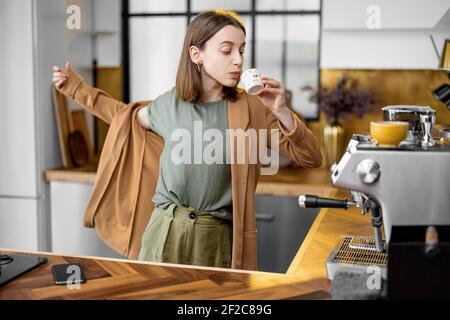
x: 187, y: 236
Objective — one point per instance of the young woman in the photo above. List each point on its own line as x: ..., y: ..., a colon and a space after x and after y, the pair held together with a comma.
x: 203, y: 214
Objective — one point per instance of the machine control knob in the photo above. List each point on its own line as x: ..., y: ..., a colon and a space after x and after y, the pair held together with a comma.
x: 333, y: 167
x: 368, y: 171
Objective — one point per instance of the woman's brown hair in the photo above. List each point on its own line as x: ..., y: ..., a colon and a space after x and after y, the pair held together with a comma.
x: 203, y: 27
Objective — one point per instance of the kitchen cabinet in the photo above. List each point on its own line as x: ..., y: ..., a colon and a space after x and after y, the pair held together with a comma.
x: 18, y: 224
x: 282, y: 226
x: 68, y: 234
x: 402, y: 40
x: 398, y: 14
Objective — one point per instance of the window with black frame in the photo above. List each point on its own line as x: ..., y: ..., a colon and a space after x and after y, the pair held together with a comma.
x: 283, y: 41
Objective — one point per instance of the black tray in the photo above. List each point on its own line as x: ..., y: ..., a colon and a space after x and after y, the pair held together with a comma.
x: 18, y: 266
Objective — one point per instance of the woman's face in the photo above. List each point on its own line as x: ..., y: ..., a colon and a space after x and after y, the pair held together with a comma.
x: 223, y: 56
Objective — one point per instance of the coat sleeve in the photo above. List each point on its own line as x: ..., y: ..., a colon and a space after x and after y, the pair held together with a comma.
x: 95, y: 101
x: 300, y: 145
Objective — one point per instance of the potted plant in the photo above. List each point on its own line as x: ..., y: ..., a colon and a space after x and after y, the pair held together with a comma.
x: 338, y: 104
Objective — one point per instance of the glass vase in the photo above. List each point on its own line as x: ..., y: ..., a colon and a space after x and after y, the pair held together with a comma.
x: 333, y: 142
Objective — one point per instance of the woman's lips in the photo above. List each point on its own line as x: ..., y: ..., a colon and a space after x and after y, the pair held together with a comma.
x: 235, y: 75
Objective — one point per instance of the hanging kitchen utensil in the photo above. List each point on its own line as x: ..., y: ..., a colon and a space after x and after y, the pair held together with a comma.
x: 78, y: 148
x: 63, y: 117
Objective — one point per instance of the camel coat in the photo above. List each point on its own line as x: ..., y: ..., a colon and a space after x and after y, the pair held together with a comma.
x: 120, y: 205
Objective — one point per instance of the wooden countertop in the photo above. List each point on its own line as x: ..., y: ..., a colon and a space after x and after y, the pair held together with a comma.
x: 123, y: 279
x: 84, y: 174
x: 293, y: 182
x: 288, y: 182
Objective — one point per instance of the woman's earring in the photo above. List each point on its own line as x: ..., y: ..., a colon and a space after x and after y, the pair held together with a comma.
x: 198, y: 67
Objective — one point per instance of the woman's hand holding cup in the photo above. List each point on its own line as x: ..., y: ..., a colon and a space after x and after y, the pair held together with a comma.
x: 270, y: 91
x: 274, y: 95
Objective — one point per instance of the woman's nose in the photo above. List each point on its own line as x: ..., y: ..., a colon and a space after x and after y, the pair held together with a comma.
x: 238, y: 59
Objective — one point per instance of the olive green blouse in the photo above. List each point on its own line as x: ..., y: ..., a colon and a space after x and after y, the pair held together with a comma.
x: 194, y: 169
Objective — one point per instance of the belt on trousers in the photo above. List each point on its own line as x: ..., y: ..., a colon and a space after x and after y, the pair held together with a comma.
x: 193, y: 213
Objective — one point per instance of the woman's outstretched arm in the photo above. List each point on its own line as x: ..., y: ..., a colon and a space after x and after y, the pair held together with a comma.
x: 94, y: 100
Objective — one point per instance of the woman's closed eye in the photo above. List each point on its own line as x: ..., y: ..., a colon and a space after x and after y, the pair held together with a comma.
x: 226, y: 50
x: 229, y: 52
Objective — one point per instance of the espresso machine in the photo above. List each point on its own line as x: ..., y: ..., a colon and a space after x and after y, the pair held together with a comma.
x: 404, y: 188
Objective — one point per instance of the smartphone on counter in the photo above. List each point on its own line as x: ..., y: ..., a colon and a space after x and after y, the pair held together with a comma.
x: 70, y: 273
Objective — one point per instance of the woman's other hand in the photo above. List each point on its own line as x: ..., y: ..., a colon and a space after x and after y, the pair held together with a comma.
x: 60, y: 76
x: 142, y: 117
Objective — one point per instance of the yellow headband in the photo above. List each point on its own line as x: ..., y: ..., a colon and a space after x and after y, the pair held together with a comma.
x: 229, y: 13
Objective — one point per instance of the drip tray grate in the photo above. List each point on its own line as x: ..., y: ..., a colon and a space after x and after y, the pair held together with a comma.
x: 349, y: 253
x: 355, y: 253
x: 362, y: 243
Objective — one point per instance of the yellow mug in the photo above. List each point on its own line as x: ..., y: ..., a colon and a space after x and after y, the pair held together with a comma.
x: 389, y: 133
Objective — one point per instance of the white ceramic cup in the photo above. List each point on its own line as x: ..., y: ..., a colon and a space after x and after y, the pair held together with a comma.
x: 251, y: 81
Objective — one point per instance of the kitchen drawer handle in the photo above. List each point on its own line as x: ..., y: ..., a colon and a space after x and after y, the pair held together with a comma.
x: 265, y: 216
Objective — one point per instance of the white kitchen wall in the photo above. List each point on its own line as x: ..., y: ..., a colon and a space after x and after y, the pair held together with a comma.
x: 402, y: 42
x: 107, y: 26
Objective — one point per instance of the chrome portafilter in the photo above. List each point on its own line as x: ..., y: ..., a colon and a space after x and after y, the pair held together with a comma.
x: 311, y: 201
